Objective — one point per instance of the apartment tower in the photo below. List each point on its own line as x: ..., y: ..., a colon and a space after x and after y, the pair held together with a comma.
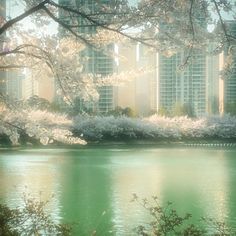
x: 98, y: 61
x: 230, y: 80
x: 2, y: 38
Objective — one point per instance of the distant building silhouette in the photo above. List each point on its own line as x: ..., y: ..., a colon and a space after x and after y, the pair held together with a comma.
x: 196, y: 86
x: 139, y: 92
x: 229, y: 79
x: 98, y: 62
x: 2, y: 39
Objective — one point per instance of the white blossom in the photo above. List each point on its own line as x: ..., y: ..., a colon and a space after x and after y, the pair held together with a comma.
x: 155, y: 127
x: 40, y: 125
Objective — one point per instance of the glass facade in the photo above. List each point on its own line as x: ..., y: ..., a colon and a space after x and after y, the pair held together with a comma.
x: 14, y: 84
x: 230, y: 81
x: 187, y: 86
x: 97, y: 62
x: 2, y: 72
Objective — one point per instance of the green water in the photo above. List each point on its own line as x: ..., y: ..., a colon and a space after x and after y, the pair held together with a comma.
x: 93, y: 186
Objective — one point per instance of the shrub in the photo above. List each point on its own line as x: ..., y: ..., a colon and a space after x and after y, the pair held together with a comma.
x: 30, y: 219
x: 156, y: 127
x: 164, y: 220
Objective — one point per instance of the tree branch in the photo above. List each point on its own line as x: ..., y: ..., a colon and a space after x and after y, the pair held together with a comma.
x: 222, y: 22
x: 96, y: 24
x: 67, y: 27
x: 27, y: 13
x: 12, y: 66
x: 12, y: 125
x: 190, y: 49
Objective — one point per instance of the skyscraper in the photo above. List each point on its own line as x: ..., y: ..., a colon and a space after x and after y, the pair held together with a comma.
x: 140, y: 91
x: 230, y: 80
x: 98, y: 62
x: 187, y: 87
x: 213, y: 96
x: 14, y: 84
x: 195, y: 88
x: 2, y: 38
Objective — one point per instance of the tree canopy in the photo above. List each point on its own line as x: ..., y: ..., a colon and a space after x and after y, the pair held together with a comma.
x: 164, y: 26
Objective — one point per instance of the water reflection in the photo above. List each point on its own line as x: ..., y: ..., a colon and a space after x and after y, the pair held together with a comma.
x: 196, y: 181
x: 22, y: 174
x: 86, y: 196
x: 94, y: 186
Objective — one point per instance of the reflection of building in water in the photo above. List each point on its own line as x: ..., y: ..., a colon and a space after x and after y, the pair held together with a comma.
x: 133, y: 176
x: 172, y: 176
x: 88, y: 182
x: 86, y: 191
x: 216, y: 194
x: 32, y: 175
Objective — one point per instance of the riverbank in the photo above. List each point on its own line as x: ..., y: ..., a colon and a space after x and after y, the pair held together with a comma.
x: 154, y: 129
x: 196, y: 143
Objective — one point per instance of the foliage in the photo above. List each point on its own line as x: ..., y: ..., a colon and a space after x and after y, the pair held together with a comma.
x: 48, y: 127
x: 37, y: 103
x: 155, y: 128
x: 162, y: 25
x: 119, y: 111
x: 33, y: 218
x: 79, y: 106
x: 40, y: 125
x: 230, y: 108
x: 162, y: 111
x: 182, y: 110
x: 99, y: 128
x: 164, y: 221
x: 30, y: 219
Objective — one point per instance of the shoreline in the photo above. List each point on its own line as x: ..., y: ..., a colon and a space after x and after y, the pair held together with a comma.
x: 196, y: 143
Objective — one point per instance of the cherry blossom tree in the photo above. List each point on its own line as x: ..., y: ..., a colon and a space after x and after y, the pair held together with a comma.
x: 163, y: 25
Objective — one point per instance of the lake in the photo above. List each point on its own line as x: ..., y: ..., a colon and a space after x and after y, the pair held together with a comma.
x: 93, y: 185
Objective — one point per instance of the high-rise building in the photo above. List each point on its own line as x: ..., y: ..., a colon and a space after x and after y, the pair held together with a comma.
x: 187, y: 87
x: 98, y: 62
x: 29, y: 87
x: 213, y: 82
x: 140, y: 91
x: 196, y: 87
x: 11, y: 80
x: 41, y: 87
x: 17, y: 83
x: 165, y: 87
x: 230, y: 80
x: 14, y: 84
x: 2, y: 38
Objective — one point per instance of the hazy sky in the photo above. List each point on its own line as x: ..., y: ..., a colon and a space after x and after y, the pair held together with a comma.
x: 133, y: 2
x: 15, y: 8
